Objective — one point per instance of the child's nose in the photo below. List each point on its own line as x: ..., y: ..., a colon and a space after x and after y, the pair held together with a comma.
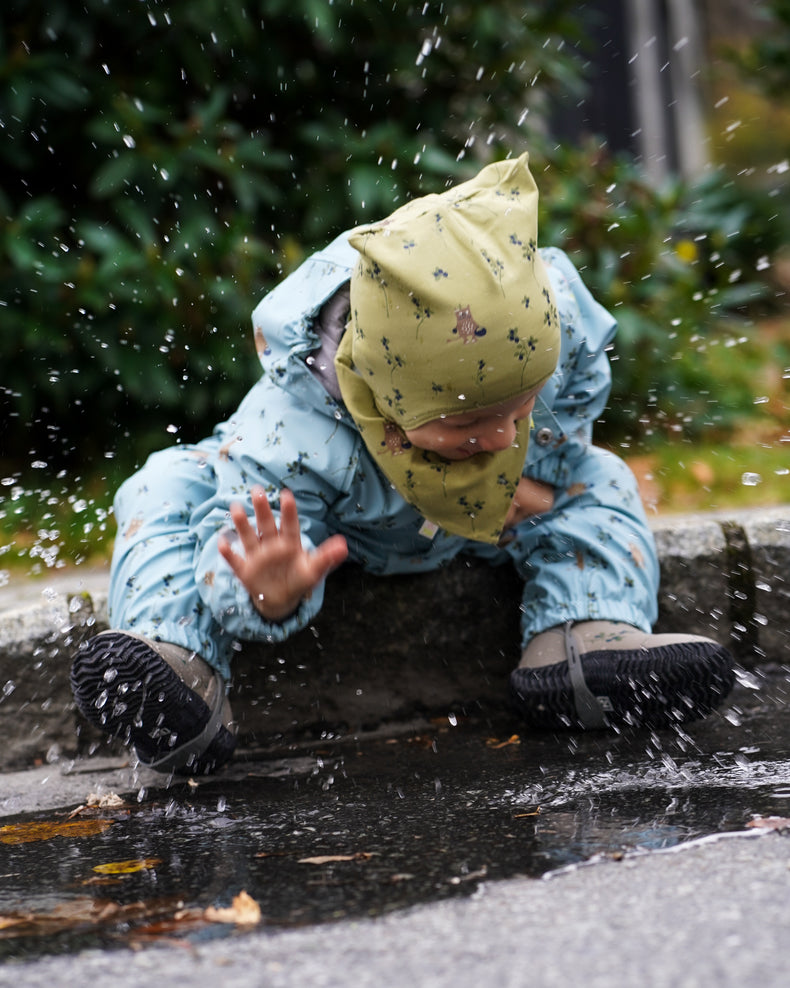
x: 496, y: 439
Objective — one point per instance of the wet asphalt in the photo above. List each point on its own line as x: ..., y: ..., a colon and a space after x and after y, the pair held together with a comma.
x: 378, y: 830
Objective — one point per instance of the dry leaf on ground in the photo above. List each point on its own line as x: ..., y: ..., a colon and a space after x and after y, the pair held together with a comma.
x: 26, y: 833
x: 94, y: 801
x: 496, y: 743
x: 79, y: 913
x: 104, y: 800
x: 321, y: 859
x: 243, y: 911
x: 127, y: 867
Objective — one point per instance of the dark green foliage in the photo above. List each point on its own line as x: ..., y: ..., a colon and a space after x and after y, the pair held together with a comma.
x: 766, y: 59
x: 681, y: 268
x: 162, y: 163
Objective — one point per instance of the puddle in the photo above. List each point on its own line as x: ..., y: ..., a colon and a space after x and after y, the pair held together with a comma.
x: 349, y: 830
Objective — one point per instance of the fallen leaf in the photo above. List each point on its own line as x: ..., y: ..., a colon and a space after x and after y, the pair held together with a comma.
x: 94, y: 801
x: 79, y: 913
x: 127, y: 867
x: 243, y: 911
x: 770, y: 822
x: 107, y: 800
x: 320, y: 859
x: 496, y: 743
x: 26, y: 833
x: 170, y: 929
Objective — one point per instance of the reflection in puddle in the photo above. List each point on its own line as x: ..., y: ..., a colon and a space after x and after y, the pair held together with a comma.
x: 351, y: 830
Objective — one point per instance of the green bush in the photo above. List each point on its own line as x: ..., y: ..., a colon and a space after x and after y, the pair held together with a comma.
x: 163, y: 163
x: 764, y: 59
x: 683, y: 267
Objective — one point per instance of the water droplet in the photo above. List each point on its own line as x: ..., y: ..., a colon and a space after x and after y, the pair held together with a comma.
x: 747, y: 679
x: 751, y: 479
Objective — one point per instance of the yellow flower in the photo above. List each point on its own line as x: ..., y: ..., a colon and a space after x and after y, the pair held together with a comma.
x: 687, y: 251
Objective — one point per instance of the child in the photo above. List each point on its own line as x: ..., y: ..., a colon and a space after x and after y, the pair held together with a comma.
x: 429, y: 387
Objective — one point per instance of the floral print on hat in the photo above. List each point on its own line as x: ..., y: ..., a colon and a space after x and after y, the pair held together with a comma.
x: 451, y: 311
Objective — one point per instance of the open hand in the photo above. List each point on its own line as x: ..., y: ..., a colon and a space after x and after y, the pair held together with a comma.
x: 275, y: 569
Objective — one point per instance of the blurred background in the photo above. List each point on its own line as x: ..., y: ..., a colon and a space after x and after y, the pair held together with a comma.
x: 163, y: 164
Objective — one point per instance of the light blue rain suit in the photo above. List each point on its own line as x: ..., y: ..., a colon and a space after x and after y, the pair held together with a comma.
x: 591, y: 557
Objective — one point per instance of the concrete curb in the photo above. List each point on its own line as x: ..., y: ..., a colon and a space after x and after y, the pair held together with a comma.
x: 723, y: 575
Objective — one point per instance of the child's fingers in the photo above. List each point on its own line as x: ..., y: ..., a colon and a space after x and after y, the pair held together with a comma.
x: 289, y: 517
x: 247, y: 534
x: 231, y: 558
x: 327, y: 556
x: 264, y: 517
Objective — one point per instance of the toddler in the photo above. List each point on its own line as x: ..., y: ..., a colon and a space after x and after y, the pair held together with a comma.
x: 429, y: 388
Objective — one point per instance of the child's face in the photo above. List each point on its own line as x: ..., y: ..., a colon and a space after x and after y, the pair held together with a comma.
x: 484, y: 430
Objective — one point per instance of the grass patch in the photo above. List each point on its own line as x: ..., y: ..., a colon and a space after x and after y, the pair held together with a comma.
x: 696, y: 477
x: 67, y: 523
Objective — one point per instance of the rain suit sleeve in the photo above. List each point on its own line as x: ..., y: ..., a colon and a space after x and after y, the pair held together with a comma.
x: 576, y: 394
x: 220, y: 590
x: 288, y: 432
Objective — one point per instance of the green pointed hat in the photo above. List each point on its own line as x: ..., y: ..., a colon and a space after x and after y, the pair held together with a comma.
x: 451, y: 311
